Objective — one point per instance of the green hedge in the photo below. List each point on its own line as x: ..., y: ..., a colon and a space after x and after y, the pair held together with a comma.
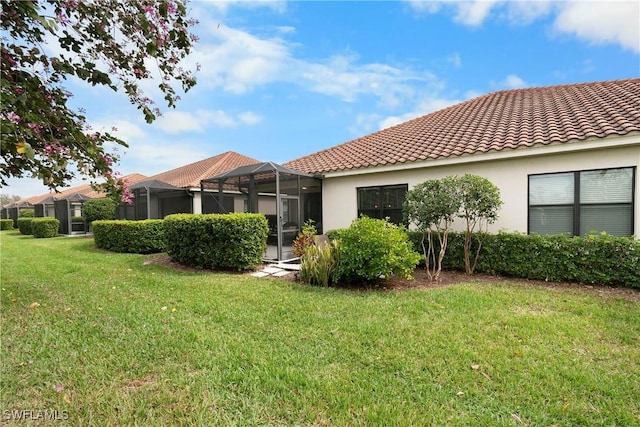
x: 139, y: 237
x: 27, y: 213
x: 99, y: 209
x: 45, y: 227
x: 221, y: 241
x: 598, y: 259
x: 6, y: 224
x: 24, y: 225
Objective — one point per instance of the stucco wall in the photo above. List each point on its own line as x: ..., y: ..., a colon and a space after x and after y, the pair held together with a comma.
x: 339, y: 195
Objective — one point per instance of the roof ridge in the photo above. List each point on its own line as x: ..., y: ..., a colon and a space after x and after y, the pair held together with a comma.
x: 494, y: 121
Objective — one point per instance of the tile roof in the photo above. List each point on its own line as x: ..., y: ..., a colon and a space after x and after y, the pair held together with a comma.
x: 498, y: 121
x: 84, y: 189
x: 190, y: 175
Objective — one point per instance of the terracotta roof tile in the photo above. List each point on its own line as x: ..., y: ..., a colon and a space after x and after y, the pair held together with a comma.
x: 190, y: 175
x: 84, y: 189
x: 504, y: 120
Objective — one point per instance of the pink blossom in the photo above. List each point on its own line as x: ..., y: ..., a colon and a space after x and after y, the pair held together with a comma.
x: 34, y: 127
x: 12, y: 117
x: 19, y: 91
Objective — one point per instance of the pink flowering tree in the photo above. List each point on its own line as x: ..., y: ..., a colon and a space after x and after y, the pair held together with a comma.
x: 113, y: 43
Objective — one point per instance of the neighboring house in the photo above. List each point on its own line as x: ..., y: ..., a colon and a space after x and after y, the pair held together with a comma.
x: 178, y: 190
x: 66, y: 205
x: 565, y: 159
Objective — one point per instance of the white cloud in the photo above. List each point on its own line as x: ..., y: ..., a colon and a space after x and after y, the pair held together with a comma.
x: 365, y: 124
x: 176, y: 122
x: 602, y: 22
x: 224, y: 5
x: 455, y: 60
x: 249, y: 118
x: 471, y: 13
x: 152, y: 157
x: 595, y: 21
x: 239, y: 62
x: 511, y: 81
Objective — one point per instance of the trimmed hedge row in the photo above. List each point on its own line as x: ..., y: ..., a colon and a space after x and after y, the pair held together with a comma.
x: 139, y: 237
x: 24, y: 225
x: 598, y: 259
x: 6, y: 224
x: 45, y: 227
x: 220, y: 241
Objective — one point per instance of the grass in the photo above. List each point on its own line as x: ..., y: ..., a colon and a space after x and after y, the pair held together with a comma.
x: 104, y: 339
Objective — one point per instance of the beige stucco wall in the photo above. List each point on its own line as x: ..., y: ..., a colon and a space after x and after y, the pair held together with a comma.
x: 508, y: 170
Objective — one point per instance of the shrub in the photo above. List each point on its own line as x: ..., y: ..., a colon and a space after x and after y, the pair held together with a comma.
x: 596, y: 259
x: 24, y: 225
x: 221, y: 241
x: 432, y: 207
x: 305, y: 238
x: 320, y: 263
x: 45, y: 227
x: 98, y: 209
x: 27, y: 213
x: 6, y: 224
x: 373, y: 248
x: 77, y: 219
x: 139, y: 237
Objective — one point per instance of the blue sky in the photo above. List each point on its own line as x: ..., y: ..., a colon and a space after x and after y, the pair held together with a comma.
x: 279, y: 80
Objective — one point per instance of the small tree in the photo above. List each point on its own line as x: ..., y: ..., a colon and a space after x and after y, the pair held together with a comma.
x: 432, y: 207
x: 121, y: 44
x: 480, y: 204
x: 98, y: 209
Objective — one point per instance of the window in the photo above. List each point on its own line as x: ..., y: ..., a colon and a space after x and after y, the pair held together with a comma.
x: 578, y: 203
x: 382, y: 202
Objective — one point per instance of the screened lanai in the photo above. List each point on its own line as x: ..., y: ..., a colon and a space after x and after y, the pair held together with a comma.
x: 157, y: 199
x: 288, y: 198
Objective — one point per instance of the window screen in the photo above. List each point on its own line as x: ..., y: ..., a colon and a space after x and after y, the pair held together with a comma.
x: 582, y: 202
x: 382, y: 202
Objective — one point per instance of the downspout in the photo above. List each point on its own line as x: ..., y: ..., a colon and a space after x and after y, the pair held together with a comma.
x: 148, y: 202
x: 279, y: 215
x: 201, y: 197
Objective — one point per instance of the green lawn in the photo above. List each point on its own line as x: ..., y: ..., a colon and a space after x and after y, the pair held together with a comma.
x: 106, y: 340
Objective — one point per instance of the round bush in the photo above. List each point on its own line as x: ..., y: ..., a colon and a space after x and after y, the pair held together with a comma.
x: 6, y: 224
x: 221, y: 241
x: 27, y: 213
x: 371, y: 249
x: 99, y: 209
x: 139, y: 237
x: 24, y: 225
x: 45, y: 227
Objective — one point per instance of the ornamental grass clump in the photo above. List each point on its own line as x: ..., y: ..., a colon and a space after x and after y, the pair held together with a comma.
x: 319, y: 264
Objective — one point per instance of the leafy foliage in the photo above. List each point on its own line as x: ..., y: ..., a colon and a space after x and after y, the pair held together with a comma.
x: 597, y: 259
x: 110, y: 43
x: 45, y: 227
x: 480, y: 201
x: 320, y: 264
x: 371, y: 249
x: 6, y: 224
x: 432, y: 206
x: 223, y: 241
x: 24, y: 225
x: 26, y: 213
x: 139, y: 237
x: 305, y: 239
x: 99, y: 209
